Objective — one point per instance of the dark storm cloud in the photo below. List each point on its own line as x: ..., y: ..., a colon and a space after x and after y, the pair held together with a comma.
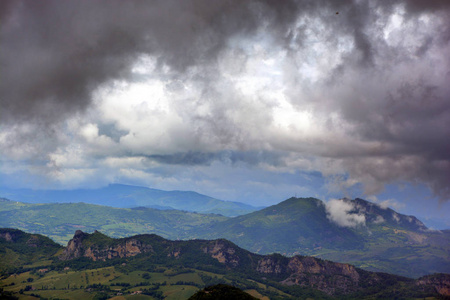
x: 54, y: 54
x: 393, y: 96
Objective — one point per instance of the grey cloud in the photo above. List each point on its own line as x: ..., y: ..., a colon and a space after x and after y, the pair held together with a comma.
x: 250, y: 158
x: 187, y: 159
x: 110, y: 130
x: 394, y: 95
x: 418, y: 6
x: 54, y: 54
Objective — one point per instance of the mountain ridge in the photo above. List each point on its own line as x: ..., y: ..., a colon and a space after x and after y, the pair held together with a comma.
x: 394, y: 243
x: 129, y: 196
x: 383, y: 240
x: 298, y: 272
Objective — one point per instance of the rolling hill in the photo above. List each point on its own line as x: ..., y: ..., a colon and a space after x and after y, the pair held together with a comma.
x: 59, y: 220
x: 127, y: 196
x: 18, y: 248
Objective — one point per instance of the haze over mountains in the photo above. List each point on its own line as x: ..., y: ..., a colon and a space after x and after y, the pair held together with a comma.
x: 127, y: 196
x: 351, y: 231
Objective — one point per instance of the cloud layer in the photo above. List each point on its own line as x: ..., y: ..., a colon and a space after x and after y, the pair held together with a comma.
x: 189, y: 93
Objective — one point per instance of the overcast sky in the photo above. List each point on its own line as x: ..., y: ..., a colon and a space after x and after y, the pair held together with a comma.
x: 251, y: 101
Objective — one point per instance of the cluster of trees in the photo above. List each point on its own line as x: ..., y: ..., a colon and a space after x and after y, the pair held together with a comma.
x: 221, y: 292
x: 6, y: 295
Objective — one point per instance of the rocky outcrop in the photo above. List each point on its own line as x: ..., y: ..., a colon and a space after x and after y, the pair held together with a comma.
x: 440, y: 283
x: 223, y: 252
x: 14, y: 235
x: 127, y: 249
x: 299, y: 264
x: 7, y: 236
x: 81, y: 246
x: 75, y: 247
x: 334, y: 279
x: 326, y: 276
x: 270, y: 265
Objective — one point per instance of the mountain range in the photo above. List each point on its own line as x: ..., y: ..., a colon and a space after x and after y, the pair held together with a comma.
x: 386, y: 241
x: 128, y: 196
x: 383, y: 240
x: 97, y: 264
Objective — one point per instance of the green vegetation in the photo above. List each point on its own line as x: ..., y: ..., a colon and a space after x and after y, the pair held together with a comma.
x: 118, y: 281
x: 388, y: 242
x: 18, y: 249
x: 178, y: 269
x: 221, y: 292
x: 295, y: 225
x: 60, y: 220
x: 126, y: 196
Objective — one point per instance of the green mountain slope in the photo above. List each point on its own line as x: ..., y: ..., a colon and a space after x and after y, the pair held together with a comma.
x: 18, y: 248
x: 292, y: 226
x: 127, y: 196
x: 387, y: 241
x: 59, y: 220
x: 6, y: 204
x: 395, y: 243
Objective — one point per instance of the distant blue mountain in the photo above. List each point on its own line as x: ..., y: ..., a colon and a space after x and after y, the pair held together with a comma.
x: 127, y: 196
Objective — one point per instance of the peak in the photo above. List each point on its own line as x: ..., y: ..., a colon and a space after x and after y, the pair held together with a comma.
x: 299, y: 202
x: 376, y: 213
x: 79, y: 233
x: 295, y: 199
x: 361, y: 201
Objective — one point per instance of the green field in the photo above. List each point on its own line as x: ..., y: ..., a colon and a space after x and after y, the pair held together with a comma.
x: 115, y: 283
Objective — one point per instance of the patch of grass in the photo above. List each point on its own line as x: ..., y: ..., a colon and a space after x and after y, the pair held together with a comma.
x: 178, y: 292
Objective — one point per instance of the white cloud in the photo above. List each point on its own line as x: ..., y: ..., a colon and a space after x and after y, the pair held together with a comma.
x: 379, y: 219
x: 395, y: 217
x: 343, y: 213
x: 384, y: 204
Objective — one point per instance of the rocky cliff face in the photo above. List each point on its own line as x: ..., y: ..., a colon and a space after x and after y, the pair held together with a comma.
x: 79, y: 247
x: 329, y: 277
x: 7, y: 236
x: 326, y: 276
x: 221, y: 251
x: 440, y: 282
x: 270, y: 265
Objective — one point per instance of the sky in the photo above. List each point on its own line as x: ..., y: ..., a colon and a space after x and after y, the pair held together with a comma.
x: 251, y: 101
